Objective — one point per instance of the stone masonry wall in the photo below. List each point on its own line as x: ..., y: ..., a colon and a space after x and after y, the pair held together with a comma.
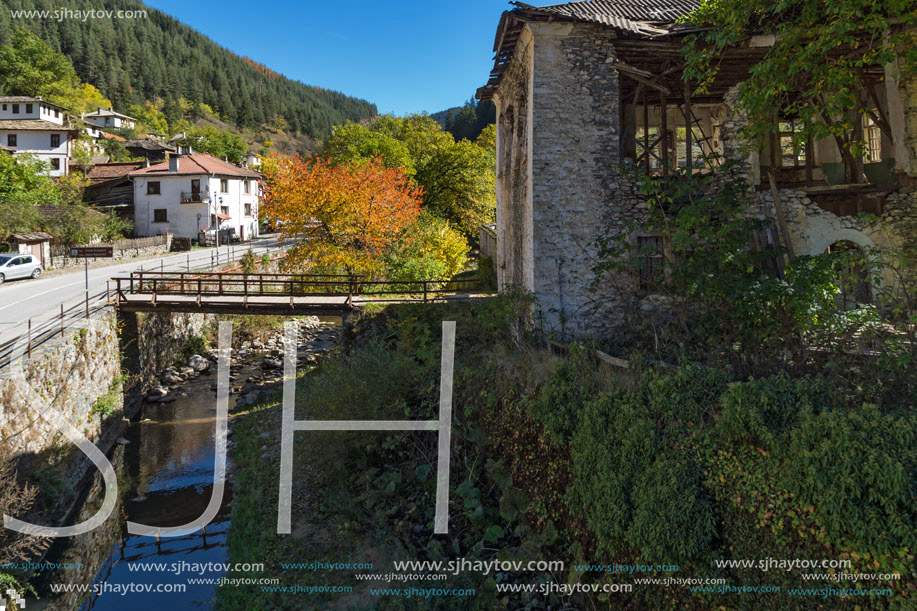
x: 578, y: 195
x: 69, y: 377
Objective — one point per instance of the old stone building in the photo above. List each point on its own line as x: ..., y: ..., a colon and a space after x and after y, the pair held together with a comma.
x: 584, y: 86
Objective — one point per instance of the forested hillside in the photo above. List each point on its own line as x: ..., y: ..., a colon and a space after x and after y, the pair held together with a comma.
x: 467, y: 121
x: 134, y: 60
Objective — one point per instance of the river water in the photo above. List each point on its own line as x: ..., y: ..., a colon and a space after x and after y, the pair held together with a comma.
x: 165, y: 476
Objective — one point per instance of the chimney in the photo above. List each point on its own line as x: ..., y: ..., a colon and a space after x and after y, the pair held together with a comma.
x: 146, y: 162
x: 173, y: 163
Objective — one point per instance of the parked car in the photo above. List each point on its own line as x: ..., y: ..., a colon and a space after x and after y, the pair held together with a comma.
x: 14, y: 266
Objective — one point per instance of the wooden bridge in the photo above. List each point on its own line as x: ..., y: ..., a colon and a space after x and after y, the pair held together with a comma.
x: 239, y: 293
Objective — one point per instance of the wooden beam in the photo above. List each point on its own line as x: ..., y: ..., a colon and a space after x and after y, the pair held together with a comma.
x: 641, y: 76
x: 781, y: 218
x: 689, y: 132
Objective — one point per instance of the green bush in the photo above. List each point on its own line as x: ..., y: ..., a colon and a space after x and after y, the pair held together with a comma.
x: 760, y: 411
x: 560, y: 403
x: 673, y: 519
x: 614, y: 444
x: 858, y: 469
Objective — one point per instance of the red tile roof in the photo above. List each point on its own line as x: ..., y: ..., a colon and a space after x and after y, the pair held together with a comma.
x: 196, y: 164
x: 108, y: 136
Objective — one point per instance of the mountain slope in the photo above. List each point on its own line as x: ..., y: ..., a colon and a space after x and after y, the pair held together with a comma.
x: 133, y: 60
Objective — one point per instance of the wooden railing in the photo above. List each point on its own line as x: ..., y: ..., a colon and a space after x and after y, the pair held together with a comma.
x: 215, y: 285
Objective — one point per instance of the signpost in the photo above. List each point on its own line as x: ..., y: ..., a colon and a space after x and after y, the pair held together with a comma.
x: 91, y: 252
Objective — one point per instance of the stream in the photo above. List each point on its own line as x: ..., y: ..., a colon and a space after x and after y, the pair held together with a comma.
x: 165, y: 465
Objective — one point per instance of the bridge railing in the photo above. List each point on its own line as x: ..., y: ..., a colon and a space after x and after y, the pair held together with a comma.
x: 276, y: 285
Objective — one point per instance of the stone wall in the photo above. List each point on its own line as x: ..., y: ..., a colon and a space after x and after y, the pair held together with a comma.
x: 69, y: 378
x: 73, y: 374
x: 121, y: 249
x: 884, y: 237
x: 577, y: 193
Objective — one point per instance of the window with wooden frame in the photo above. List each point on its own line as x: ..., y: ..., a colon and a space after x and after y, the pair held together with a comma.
x: 160, y: 215
x: 872, y: 134
x: 791, y: 139
x: 55, y: 164
x: 651, y: 259
x: 55, y: 140
x: 152, y: 187
x: 651, y: 135
x: 11, y: 140
x: 224, y: 185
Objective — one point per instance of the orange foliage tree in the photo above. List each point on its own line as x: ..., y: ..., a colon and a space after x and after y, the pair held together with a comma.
x: 342, y: 218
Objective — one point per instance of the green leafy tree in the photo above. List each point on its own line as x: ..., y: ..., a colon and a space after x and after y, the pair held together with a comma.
x: 23, y: 185
x: 28, y: 66
x: 217, y: 142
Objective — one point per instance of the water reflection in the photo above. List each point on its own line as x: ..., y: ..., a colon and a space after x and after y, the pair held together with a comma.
x: 165, y: 479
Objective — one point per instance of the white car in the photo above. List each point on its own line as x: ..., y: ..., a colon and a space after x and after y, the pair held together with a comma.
x: 13, y: 266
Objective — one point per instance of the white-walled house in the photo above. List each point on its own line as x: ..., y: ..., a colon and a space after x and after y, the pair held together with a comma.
x: 33, y: 126
x: 192, y: 196
x: 109, y: 119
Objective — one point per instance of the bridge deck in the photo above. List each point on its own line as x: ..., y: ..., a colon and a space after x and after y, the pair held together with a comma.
x: 298, y: 304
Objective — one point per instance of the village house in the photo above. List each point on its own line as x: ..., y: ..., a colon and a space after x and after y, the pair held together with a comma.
x: 110, y: 187
x: 582, y: 87
x: 30, y: 125
x: 109, y: 119
x: 196, y: 196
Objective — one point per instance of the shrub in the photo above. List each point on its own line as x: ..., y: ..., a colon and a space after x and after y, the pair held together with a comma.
x: 858, y: 469
x: 613, y: 446
x: 673, y: 519
x: 560, y: 403
x: 760, y: 411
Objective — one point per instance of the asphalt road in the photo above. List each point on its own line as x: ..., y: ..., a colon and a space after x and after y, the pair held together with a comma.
x: 40, y: 300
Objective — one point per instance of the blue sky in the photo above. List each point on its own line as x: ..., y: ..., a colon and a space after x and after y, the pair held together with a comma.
x: 405, y: 56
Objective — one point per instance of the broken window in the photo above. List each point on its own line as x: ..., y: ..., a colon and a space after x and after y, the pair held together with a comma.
x: 649, y: 136
x: 872, y: 134
x: 792, y: 144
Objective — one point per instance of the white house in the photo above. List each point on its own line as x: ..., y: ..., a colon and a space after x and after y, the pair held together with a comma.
x: 193, y: 196
x: 109, y: 119
x: 34, y: 126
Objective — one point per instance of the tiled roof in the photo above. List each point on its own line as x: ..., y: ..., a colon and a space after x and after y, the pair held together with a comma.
x: 35, y: 125
x: 148, y: 144
x: 107, y: 171
x: 640, y: 18
x: 108, y: 136
x: 624, y: 13
x: 35, y: 236
x: 104, y: 112
x: 196, y: 164
x: 20, y: 99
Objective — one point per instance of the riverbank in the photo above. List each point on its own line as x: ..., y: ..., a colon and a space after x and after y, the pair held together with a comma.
x: 164, y: 462
x: 671, y: 474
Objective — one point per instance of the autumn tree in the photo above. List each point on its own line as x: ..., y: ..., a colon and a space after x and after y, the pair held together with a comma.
x: 457, y: 177
x: 342, y: 217
x: 817, y: 69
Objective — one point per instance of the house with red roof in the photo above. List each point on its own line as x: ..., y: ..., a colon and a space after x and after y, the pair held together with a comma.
x: 196, y: 196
